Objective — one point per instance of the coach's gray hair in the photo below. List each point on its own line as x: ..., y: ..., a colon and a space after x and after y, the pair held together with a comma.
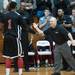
x: 53, y: 19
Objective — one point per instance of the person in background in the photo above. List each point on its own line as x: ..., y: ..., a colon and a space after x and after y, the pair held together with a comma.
x: 73, y: 28
x: 25, y: 41
x: 43, y: 20
x: 1, y: 22
x: 66, y: 22
x: 24, y: 35
x: 73, y: 19
x: 72, y: 3
x: 62, y: 4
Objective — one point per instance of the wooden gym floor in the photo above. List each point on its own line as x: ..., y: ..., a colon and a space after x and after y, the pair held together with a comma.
x: 42, y: 71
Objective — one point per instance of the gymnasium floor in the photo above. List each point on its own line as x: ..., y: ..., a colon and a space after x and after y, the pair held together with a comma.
x: 41, y: 71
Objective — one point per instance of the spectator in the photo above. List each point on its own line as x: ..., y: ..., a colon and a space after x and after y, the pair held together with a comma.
x: 62, y: 4
x: 42, y: 4
x: 65, y: 20
x: 73, y: 28
x: 43, y: 21
x: 73, y: 19
x: 25, y: 41
x: 72, y: 3
x: 1, y: 22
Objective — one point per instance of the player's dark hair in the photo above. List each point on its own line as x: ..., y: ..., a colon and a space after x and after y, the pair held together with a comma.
x: 12, y: 5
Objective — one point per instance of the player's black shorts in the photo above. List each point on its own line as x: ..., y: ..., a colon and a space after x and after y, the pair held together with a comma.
x: 10, y: 46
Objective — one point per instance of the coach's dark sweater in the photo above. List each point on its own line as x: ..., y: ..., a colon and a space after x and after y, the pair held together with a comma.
x: 57, y: 34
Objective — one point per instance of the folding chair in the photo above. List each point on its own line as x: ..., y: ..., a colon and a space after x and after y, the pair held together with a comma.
x: 43, y: 49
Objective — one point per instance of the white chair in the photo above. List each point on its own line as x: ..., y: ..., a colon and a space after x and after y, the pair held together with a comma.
x: 43, y: 49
